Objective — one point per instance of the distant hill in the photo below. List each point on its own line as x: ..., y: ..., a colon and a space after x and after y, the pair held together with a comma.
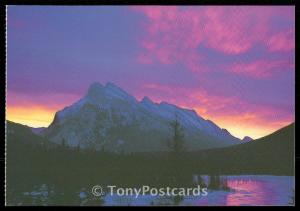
x: 22, y: 135
x: 273, y: 153
x: 247, y: 138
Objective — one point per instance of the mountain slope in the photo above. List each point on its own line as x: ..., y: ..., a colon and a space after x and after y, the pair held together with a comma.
x: 273, y: 153
x: 21, y: 135
x: 109, y: 118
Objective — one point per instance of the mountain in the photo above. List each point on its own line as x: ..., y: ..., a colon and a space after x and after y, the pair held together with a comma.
x: 247, y: 138
x: 108, y: 118
x: 37, y: 130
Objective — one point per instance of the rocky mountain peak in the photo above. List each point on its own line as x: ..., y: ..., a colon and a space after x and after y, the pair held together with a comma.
x: 146, y: 100
x: 95, y: 88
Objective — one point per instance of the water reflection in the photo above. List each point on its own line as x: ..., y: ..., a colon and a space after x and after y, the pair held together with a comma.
x: 253, y: 190
x: 244, y: 190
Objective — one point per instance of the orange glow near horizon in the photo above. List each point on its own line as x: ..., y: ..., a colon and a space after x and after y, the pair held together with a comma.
x: 254, y: 130
x: 245, y: 124
x: 34, y: 116
x: 39, y: 116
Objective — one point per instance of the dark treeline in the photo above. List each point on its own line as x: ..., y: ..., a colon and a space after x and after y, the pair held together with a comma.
x: 33, y: 160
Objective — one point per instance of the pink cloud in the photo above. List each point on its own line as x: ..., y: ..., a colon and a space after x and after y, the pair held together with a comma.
x: 173, y: 38
x: 51, y: 101
x: 283, y: 41
x: 260, y: 68
x: 230, y: 30
x: 174, y: 34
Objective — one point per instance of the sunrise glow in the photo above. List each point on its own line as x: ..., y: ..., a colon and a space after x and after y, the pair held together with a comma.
x: 211, y: 59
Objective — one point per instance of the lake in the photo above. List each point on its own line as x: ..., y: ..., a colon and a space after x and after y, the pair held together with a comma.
x: 244, y: 190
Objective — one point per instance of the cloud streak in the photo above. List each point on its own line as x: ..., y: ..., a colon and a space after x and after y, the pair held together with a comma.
x: 174, y: 35
x: 261, y: 68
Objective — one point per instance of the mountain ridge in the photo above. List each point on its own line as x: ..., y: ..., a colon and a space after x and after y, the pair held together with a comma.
x: 108, y: 115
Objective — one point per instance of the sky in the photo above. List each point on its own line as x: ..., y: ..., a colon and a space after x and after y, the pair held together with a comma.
x: 234, y: 65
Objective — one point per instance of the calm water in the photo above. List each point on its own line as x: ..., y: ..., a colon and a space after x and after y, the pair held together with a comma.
x: 245, y: 190
x: 252, y: 190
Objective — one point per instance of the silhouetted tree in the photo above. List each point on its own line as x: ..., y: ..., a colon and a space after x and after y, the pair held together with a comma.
x: 177, y: 147
x: 102, y: 149
x: 176, y: 144
x: 78, y: 147
x: 63, y: 143
x: 215, y: 182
